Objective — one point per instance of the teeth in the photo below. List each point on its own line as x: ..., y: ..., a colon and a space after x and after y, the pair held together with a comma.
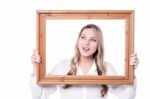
x: 86, y: 49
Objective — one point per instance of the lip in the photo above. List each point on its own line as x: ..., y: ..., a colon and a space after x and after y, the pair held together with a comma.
x: 85, y: 49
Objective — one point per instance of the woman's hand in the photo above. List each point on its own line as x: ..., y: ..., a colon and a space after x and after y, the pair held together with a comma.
x: 134, y: 61
x: 35, y: 58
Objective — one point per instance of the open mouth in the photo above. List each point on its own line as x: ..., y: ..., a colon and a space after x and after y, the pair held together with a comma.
x: 85, y: 49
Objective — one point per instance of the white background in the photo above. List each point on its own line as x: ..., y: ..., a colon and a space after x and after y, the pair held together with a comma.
x: 18, y: 38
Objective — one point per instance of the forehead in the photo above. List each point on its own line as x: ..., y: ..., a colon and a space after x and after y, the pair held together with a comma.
x: 88, y: 32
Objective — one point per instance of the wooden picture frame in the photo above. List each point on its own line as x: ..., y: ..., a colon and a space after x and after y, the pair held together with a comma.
x: 42, y: 16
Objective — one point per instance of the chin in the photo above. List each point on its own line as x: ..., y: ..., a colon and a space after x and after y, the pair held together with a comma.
x: 86, y: 55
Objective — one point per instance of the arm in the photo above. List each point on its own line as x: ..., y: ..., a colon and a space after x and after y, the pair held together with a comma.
x: 39, y: 92
x: 124, y: 91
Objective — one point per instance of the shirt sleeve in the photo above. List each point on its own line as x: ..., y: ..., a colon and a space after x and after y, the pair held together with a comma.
x: 122, y: 91
x: 42, y: 92
x: 39, y: 91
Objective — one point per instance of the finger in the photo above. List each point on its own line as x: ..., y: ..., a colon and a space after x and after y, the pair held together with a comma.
x: 132, y: 61
x: 133, y: 58
x: 36, y: 55
x: 36, y: 60
x: 134, y: 64
x: 35, y: 51
x: 133, y: 55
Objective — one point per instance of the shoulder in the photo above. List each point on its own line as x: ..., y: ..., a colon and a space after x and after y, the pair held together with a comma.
x: 108, y: 65
x: 109, y: 69
x: 63, y: 63
x: 61, y: 67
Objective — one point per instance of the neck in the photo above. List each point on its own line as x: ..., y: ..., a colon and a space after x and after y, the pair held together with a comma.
x: 86, y: 61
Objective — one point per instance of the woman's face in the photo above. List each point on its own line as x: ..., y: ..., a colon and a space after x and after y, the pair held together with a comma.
x: 87, y: 43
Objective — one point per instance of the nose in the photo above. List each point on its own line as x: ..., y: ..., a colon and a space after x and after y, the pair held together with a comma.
x: 87, y: 42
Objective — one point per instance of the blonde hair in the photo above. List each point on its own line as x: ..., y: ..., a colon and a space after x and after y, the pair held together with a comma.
x: 98, y: 56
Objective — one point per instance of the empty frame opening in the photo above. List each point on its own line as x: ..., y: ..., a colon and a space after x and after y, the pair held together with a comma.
x: 61, y: 37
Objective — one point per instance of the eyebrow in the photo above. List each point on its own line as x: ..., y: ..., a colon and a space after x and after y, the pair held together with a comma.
x: 90, y: 37
x: 93, y: 37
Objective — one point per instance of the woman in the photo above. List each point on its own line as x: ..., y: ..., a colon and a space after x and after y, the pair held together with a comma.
x: 88, y: 60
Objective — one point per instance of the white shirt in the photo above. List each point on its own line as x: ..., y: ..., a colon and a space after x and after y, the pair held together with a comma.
x: 81, y: 91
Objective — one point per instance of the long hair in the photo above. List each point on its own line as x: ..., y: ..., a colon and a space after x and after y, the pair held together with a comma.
x: 98, y: 56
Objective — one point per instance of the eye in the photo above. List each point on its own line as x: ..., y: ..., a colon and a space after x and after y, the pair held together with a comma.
x: 93, y: 40
x: 82, y: 37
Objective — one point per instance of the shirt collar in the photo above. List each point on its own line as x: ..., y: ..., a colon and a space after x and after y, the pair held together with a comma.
x: 92, y: 70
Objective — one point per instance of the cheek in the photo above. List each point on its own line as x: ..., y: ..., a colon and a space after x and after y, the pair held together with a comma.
x: 94, y: 47
x: 79, y: 45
